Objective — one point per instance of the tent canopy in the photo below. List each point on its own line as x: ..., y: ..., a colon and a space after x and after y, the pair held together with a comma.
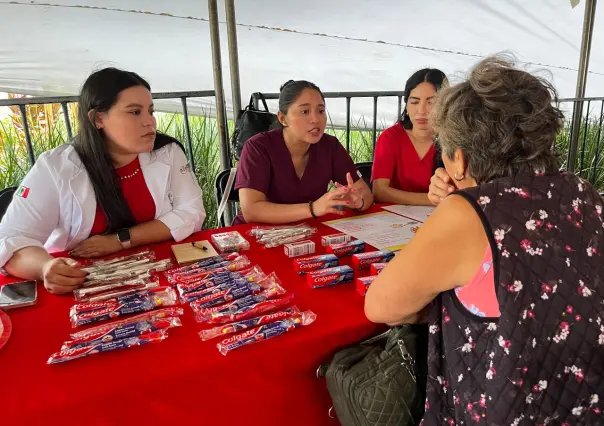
x: 50, y: 48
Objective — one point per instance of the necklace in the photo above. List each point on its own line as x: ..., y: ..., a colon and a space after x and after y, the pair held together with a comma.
x: 130, y: 175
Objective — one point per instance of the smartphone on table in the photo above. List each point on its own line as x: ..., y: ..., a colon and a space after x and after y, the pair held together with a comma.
x: 18, y: 295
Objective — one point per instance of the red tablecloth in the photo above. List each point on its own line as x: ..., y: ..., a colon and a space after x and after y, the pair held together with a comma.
x: 181, y: 380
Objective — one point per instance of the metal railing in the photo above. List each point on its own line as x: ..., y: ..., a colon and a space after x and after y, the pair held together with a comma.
x: 349, y: 96
x: 64, y: 101
x: 589, y: 148
x: 587, y: 129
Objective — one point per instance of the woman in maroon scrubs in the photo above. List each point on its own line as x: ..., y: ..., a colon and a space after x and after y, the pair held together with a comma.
x: 283, y: 174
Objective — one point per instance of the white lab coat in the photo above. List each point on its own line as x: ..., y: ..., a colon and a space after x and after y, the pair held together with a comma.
x: 59, y: 209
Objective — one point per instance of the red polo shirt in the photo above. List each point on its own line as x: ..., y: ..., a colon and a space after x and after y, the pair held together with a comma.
x: 135, y: 192
x: 396, y: 159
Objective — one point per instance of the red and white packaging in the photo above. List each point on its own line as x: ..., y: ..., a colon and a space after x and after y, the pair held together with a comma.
x: 347, y: 249
x: 362, y: 284
x: 226, y: 329
x: 300, y: 248
x: 376, y: 268
x: 246, y: 312
x: 329, y: 240
x: 146, y: 316
x: 362, y: 261
x: 303, y: 265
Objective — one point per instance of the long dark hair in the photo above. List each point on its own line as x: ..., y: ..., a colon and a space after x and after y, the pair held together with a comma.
x: 427, y: 75
x: 99, y: 93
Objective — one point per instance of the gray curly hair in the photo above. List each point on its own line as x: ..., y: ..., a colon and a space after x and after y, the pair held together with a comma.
x: 502, y: 119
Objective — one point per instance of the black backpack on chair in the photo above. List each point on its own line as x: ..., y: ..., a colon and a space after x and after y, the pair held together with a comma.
x: 250, y: 122
x: 382, y: 381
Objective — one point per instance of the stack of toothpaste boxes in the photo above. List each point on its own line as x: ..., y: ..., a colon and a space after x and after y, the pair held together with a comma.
x: 324, y: 270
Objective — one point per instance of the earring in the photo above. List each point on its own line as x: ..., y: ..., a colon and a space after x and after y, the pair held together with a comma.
x: 458, y: 178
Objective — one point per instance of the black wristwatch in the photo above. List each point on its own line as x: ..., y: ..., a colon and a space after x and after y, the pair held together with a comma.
x: 123, y: 236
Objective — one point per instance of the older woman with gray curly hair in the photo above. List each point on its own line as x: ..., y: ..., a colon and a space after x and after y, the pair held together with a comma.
x: 508, y: 270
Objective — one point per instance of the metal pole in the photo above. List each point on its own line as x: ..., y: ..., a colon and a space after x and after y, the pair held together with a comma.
x: 584, y: 139
x: 597, y: 156
x: 225, y: 162
x: 588, y: 26
x: 399, y: 110
x: 30, y: 148
x: 233, y: 56
x: 374, y: 134
x: 67, y: 121
x: 185, y: 113
x: 348, y: 124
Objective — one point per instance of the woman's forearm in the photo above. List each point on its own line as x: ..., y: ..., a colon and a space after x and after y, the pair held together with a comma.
x: 28, y: 263
x: 154, y: 231
x: 267, y: 212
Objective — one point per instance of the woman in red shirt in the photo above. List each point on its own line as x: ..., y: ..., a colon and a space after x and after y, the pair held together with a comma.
x: 405, y: 156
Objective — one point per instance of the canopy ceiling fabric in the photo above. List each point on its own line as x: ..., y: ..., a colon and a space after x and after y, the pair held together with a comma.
x: 49, y: 48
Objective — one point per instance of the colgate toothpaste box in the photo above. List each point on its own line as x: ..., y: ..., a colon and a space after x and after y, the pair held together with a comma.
x: 364, y: 260
x: 328, y: 240
x: 314, y: 263
x: 299, y: 248
x: 347, y: 249
x: 376, y: 268
x: 363, y: 284
x: 330, y: 276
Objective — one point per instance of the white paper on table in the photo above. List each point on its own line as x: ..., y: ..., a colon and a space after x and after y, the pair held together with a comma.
x: 419, y: 213
x: 383, y: 230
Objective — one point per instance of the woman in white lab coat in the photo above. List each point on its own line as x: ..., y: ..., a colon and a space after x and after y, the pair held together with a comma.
x: 118, y: 185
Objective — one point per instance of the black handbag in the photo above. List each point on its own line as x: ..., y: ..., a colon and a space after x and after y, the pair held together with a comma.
x: 382, y: 381
x: 250, y: 122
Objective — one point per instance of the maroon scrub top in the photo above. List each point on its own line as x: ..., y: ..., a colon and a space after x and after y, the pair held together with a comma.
x: 266, y: 166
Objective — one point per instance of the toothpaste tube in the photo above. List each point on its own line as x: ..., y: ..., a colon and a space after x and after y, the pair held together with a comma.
x: 362, y: 284
x: 245, y: 312
x: 70, y: 354
x: 347, y: 249
x: 364, y: 260
x: 236, y: 327
x: 376, y: 268
x: 266, y: 331
x: 301, y: 248
x: 122, y: 332
x: 165, y: 296
x: 146, y: 316
x: 328, y: 240
x: 330, y: 276
x: 314, y: 263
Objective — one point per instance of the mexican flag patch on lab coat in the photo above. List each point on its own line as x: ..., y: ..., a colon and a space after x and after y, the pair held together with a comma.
x: 22, y: 191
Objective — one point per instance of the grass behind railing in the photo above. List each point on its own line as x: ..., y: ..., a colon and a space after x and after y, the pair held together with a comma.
x: 14, y: 162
